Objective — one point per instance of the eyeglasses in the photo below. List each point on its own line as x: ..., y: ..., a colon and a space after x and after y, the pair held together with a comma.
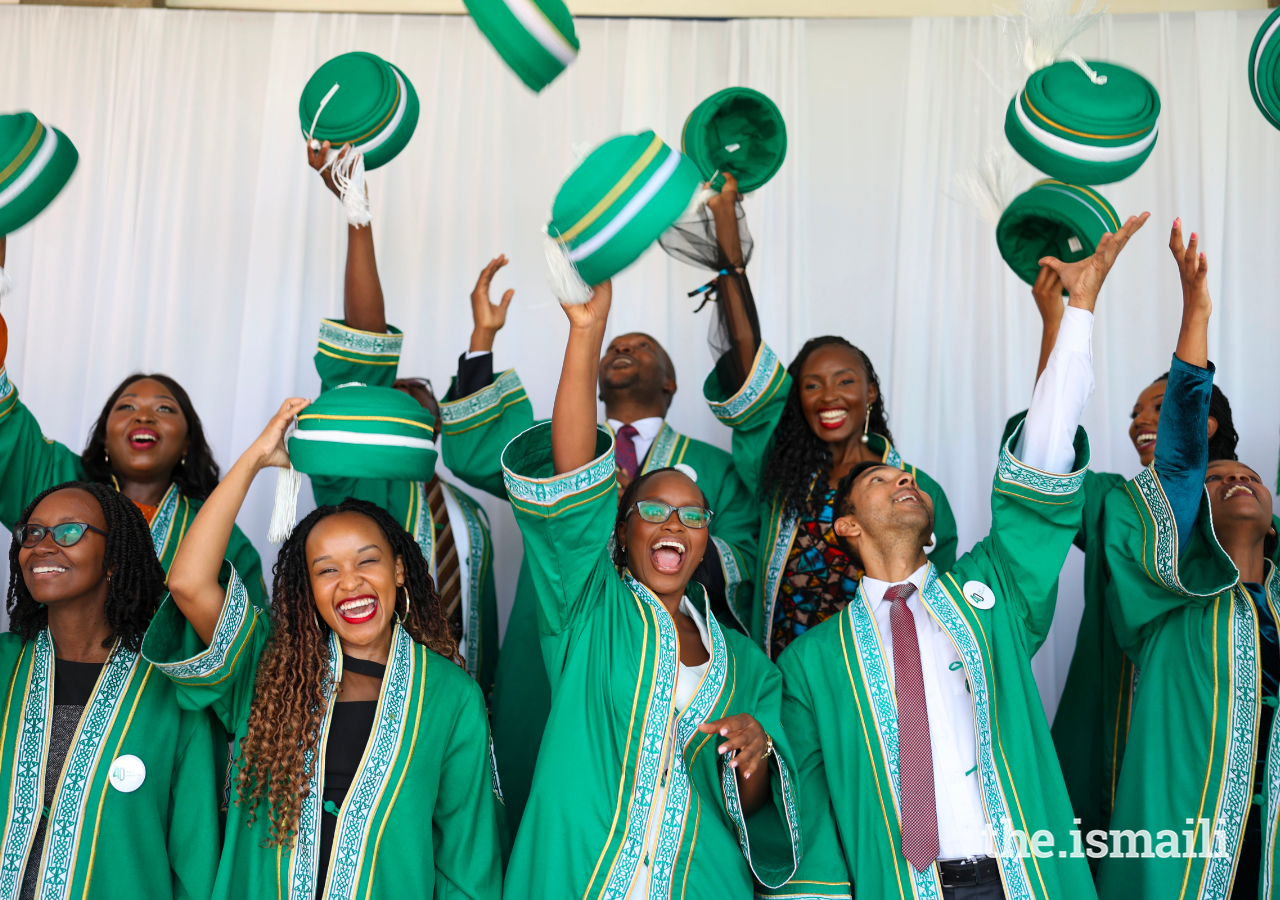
x: 65, y: 535
x: 656, y: 512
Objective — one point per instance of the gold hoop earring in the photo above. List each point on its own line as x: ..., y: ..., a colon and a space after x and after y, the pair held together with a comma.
x: 866, y: 428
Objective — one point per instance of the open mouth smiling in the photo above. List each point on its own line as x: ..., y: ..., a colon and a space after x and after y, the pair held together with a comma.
x: 47, y: 570
x: 667, y: 555
x: 832, y: 418
x: 1144, y: 440
x: 358, y: 610
x: 143, y: 439
x: 1237, y: 489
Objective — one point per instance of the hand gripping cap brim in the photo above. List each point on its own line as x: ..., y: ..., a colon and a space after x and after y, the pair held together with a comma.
x: 619, y: 201
x: 36, y: 161
x: 375, y: 108
x: 1264, y: 69
x: 357, y: 431
x: 1080, y: 132
x: 1053, y: 219
x: 535, y: 38
x: 736, y: 130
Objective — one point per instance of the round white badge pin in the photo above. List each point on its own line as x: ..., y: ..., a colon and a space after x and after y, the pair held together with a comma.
x: 127, y: 774
x: 688, y: 470
x: 979, y: 595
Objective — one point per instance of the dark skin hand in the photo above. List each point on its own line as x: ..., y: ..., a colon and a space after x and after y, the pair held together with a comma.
x: 1047, y: 292
x: 488, y: 318
x: 147, y: 438
x: 835, y: 394
x: 70, y: 581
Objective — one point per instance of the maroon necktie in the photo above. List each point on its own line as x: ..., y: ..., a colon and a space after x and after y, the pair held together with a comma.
x: 915, y: 752
x: 624, y: 453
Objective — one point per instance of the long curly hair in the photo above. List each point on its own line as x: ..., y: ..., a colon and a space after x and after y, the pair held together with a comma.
x: 279, y: 749
x: 1223, y: 443
x: 196, y: 476
x: 798, y: 454
x: 137, y: 578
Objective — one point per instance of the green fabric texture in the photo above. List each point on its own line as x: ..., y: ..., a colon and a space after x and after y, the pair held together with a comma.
x: 1053, y: 219
x: 1264, y: 69
x: 615, y: 204
x: 736, y: 130
x: 1192, y: 629
x: 538, y: 49
x: 1081, y: 132
x: 841, y: 718
x: 37, y: 156
x: 365, y: 432
x: 370, y: 109
x: 612, y: 656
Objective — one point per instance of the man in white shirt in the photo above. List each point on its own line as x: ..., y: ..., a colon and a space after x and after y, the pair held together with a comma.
x: 925, y: 760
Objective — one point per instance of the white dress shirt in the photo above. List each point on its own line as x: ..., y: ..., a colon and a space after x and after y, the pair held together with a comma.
x: 648, y: 431
x: 1046, y: 443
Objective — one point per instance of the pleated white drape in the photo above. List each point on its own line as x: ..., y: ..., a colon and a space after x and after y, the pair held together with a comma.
x: 194, y: 239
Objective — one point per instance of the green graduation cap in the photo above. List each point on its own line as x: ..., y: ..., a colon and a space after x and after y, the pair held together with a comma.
x: 1084, y: 123
x: 36, y: 160
x: 362, y: 100
x: 737, y: 130
x: 612, y: 207
x: 1053, y: 219
x: 1264, y: 69
x: 534, y: 37
x: 355, y: 431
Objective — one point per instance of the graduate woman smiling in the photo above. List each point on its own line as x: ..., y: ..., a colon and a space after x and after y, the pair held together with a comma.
x: 663, y: 770
x: 362, y: 749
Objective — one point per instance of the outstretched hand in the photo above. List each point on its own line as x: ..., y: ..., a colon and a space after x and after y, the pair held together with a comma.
x: 728, y: 196
x: 595, y: 312
x: 1193, y: 268
x: 318, y: 156
x: 269, y: 449
x: 743, y: 734
x: 1084, y: 279
x: 488, y: 318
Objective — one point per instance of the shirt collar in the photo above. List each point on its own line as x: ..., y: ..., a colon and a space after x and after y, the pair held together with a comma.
x: 874, y: 588
x: 647, y: 428
x: 690, y: 610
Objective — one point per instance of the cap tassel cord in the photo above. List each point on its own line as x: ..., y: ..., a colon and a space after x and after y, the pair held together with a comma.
x: 566, y: 282
x: 348, y: 178
x: 311, y: 133
x: 1084, y: 66
x: 284, y: 513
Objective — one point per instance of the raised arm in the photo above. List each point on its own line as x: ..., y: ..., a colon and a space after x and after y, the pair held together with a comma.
x: 193, y: 577
x: 724, y: 210
x: 1048, y: 294
x: 573, y: 420
x: 362, y: 302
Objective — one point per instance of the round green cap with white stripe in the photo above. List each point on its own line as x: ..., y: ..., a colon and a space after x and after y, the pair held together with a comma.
x: 362, y: 100
x: 36, y: 161
x: 1084, y: 123
x: 357, y: 431
x: 1264, y: 69
x: 736, y: 130
x: 534, y: 37
x: 1053, y: 219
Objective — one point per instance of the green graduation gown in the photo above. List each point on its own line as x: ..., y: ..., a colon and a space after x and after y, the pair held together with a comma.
x: 344, y: 355
x: 841, y: 716
x: 612, y: 654
x: 1181, y: 613
x: 476, y: 429
x: 421, y: 817
x: 101, y: 843
x: 753, y: 413
x: 30, y: 462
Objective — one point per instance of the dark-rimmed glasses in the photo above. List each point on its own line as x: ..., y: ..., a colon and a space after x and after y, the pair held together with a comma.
x: 656, y: 512
x: 66, y: 534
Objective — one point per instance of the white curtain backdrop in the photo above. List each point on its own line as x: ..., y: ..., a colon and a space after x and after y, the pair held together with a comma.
x: 195, y: 240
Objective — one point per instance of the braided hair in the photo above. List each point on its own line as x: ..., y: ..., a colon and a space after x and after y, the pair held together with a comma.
x: 798, y: 454
x: 628, y: 500
x: 196, y: 476
x: 1223, y: 443
x: 279, y: 749
x: 137, y: 578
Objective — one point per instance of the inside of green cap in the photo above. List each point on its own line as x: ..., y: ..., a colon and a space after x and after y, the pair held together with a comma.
x: 744, y: 137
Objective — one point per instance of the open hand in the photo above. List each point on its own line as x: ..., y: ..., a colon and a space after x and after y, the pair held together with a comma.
x: 269, y: 449
x: 1047, y: 291
x: 595, y: 312
x: 743, y: 734
x: 318, y: 156
x: 728, y: 196
x: 1084, y: 279
x: 1193, y: 268
x: 488, y: 318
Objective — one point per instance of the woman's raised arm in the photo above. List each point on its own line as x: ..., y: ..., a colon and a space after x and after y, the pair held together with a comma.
x: 573, y: 421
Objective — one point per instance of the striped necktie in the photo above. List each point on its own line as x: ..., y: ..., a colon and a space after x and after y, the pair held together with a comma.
x: 915, y: 751
x: 624, y: 452
x: 448, y: 575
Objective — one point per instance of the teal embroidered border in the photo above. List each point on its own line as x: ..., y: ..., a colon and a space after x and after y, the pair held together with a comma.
x: 1273, y: 766
x: 163, y: 521
x: 6, y: 386
x: 351, y: 834
x: 1165, y: 549
x: 664, y: 445
x: 777, y: 563
x: 1011, y: 471
x: 424, y: 532
x: 763, y: 372
x: 231, y: 623
x: 62, y: 837
x: 547, y: 491
x: 732, y: 580
x: 493, y: 772
x: 304, y: 859
x: 26, y: 791
x: 358, y: 341
x: 476, y: 538
x: 487, y: 398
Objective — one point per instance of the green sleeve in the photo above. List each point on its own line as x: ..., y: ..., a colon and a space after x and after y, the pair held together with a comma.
x: 753, y: 412
x: 1152, y: 572
x: 1034, y: 518
x: 823, y: 872
x: 194, y: 839
x: 735, y: 525
x: 218, y: 676
x: 29, y: 462
x: 947, y: 545
x: 464, y: 822
x: 476, y: 428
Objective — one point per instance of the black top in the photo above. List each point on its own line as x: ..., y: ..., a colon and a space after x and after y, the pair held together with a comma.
x: 73, y: 682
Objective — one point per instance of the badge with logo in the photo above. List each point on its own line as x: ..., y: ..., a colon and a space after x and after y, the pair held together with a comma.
x: 979, y: 595
x: 688, y: 470
x: 127, y: 774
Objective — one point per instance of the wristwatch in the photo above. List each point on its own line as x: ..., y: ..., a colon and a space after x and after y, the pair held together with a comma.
x: 768, y: 747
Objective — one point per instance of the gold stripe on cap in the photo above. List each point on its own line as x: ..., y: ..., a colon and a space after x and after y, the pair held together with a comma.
x: 32, y: 143
x: 366, y: 419
x: 614, y: 192
x: 1097, y: 137
x: 1102, y: 204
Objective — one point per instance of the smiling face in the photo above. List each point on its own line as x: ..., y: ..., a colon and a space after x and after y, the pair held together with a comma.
x: 147, y: 432
x: 835, y: 392
x: 1238, y: 498
x: 662, y: 556
x: 354, y: 578
x: 636, y: 365
x: 54, y: 574
x: 885, y: 505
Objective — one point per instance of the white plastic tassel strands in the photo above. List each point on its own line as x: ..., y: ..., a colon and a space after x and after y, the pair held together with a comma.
x: 284, y: 514
x: 6, y: 286
x: 348, y: 177
x: 1046, y: 27
x: 566, y: 282
x: 990, y: 186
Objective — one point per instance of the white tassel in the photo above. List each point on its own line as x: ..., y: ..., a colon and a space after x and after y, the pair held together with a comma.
x: 990, y: 186
x: 284, y: 514
x: 1046, y: 27
x: 566, y: 282
x: 6, y: 286
x: 348, y: 177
